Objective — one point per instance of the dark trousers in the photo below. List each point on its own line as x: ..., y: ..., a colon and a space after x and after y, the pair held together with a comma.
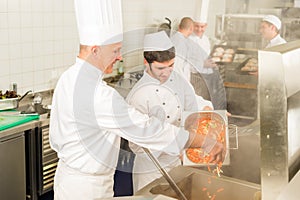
x: 123, y: 175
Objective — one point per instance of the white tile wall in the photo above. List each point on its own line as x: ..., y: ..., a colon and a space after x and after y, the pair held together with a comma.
x: 35, y: 36
x: 38, y: 38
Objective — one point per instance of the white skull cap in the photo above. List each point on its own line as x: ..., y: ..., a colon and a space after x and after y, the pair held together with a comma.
x: 158, y: 41
x: 273, y: 20
x: 99, y: 22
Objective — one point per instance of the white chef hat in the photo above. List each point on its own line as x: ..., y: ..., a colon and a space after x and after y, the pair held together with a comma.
x: 201, y: 11
x: 99, y: 22
x: 158, y: 41
x: 273, y: 20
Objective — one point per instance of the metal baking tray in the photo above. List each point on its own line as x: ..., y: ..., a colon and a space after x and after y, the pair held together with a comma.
x: 225, y: 47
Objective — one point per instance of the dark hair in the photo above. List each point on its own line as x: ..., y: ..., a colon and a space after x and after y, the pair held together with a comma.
x: 159, y: 56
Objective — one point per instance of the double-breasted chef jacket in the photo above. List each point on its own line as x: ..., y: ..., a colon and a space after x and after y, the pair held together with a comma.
x: 166, y: 101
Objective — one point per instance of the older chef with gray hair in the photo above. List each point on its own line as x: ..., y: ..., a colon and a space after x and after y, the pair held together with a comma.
x: 269, y: 29
x: 88, y: 117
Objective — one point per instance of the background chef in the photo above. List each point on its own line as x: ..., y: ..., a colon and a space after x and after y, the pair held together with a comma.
x: 269, y: 29
x: 88, y: 117
x: 163, y: 93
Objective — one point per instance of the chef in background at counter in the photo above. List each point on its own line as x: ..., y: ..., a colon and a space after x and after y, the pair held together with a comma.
x: 165, y: 94
x: 207, y: 79
x: 270, y: 30
x: 88, y: 117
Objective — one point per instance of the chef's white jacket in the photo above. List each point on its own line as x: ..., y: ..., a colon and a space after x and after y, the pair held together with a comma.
x: 88, y: 117
x: 204, y: 43
x: 276, y: 41
x: 182, y: 64
x: 166, y: 101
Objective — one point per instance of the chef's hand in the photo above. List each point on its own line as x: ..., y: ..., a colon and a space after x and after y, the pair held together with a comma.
x: 217, y: 154
x: 209, y: 63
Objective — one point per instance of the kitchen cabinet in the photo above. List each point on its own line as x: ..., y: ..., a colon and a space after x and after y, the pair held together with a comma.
x: 12, y: 167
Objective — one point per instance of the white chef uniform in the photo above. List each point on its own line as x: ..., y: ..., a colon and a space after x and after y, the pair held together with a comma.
x: 182, y: 64
x: 166, y: 101
x: 276, y: 41
x: 88, y: 117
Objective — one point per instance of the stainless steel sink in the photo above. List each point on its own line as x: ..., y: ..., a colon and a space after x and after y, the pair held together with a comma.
x: 198, y: 184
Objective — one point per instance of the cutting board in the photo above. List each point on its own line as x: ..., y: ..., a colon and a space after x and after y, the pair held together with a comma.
x: 9, y: 121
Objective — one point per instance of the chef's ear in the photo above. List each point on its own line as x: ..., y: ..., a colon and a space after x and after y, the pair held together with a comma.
x: 95, y: 50
x: 145, y: 62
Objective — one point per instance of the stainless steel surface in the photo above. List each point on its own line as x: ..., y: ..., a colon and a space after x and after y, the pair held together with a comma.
x: 276, y: 88
x: 291, y: 191
x: 165, y: 174
x: 12, y: 167
x: 11, y: 103
x: 192, y: 182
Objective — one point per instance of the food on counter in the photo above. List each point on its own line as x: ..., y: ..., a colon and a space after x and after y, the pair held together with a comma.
x: 251, y: 65
x: 8, y: 94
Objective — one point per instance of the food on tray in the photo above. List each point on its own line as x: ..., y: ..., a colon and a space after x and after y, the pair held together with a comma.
x: 8, y: 94
x: 229, y: 51
x: 217, y: 54
x: 216, y: 59
x: 212, y: 126
x: 219, y: 49
x: 251, y: 65
x: 222, y: 54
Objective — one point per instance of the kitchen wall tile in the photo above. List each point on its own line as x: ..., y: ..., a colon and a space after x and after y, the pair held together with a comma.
x: 37, y: 34
x: 58, y: 6
x: 4, y: 51
x: 36, y: 5
x: 48, y: 33
x: 48, y: 20
x: 39, y: 77
x: 26, y: 20
x: 14, y: 36
x: 3, y: 21
x: 25, y: 6
x: 16, y: 78
x: 3, y: 6
x: 37, y: 49
x: 27, y: 50
x: 37, y: 19
x: 4, y: 83
x: 4, y: 67
x: 3, y: 36
x: 48, y: 6
x: 38, y: 63
x: 48, y: 61
x: 13, y: 5
x: 27, y: 65
x: 26, y: 35
x: 58, y: 18
x: 68, y: 5
x: 14, y: 20
x: 15, y: 66
x: 58, y: 60
x: 27, y: 80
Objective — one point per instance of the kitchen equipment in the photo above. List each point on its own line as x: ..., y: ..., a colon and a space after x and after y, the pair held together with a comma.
x: 198, y: 184
x: 11, y: 103
x: 165, y: 175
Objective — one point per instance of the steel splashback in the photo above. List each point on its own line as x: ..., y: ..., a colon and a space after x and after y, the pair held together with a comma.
x: 279, y: 108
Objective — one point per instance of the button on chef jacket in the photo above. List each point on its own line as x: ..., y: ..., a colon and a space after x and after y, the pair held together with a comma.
x: 166, y: 101
x: 88, y: 118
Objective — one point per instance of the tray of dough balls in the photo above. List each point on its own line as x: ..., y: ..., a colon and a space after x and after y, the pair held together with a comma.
x: 222, y: 54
